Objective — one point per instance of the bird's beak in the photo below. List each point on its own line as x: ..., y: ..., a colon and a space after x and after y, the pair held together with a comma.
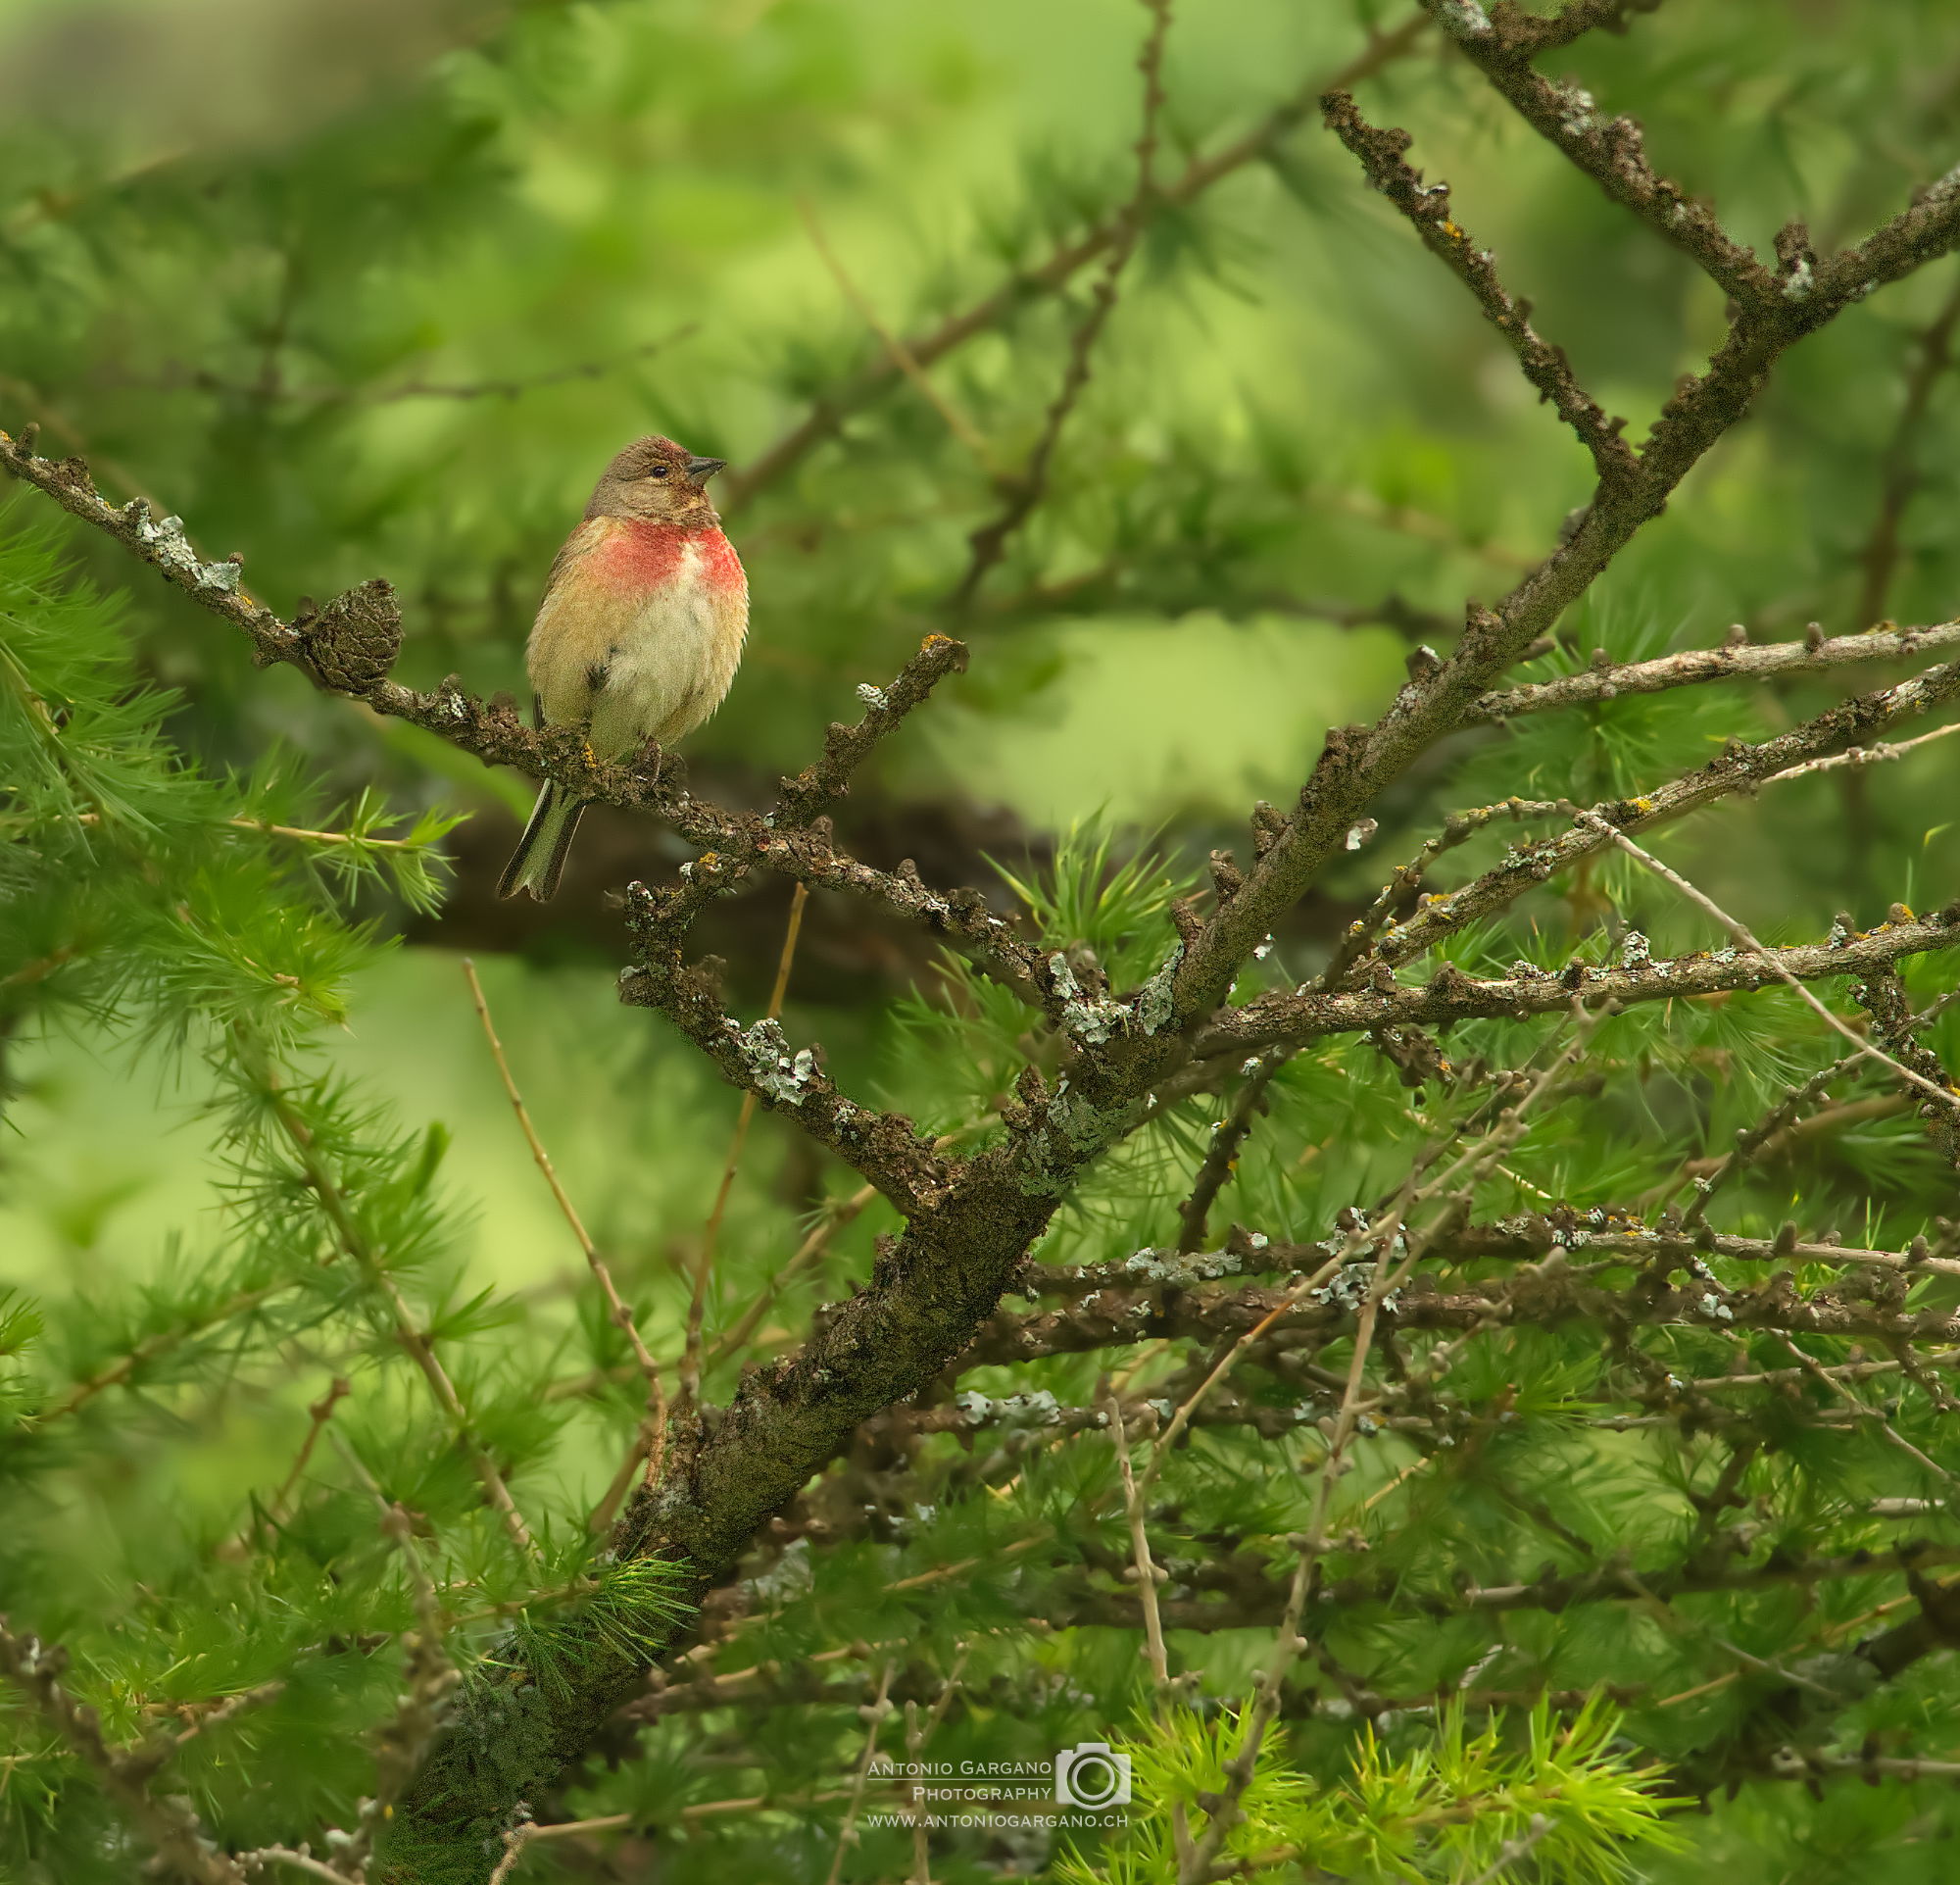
x: 700, y: 470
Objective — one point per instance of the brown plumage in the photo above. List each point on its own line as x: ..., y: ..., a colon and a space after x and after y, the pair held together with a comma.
x: 639, y: 633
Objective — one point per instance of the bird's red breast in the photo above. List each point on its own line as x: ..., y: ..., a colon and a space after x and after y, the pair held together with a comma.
x: 639, y: 631
x: 634, y: 555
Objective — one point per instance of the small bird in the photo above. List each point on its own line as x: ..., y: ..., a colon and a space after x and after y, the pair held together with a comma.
x: 639, y: 633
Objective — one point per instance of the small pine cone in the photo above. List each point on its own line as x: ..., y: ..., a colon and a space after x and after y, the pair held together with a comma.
x: 353, y: 642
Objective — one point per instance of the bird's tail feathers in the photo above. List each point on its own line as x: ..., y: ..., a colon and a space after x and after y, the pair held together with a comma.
x: 538, y: 862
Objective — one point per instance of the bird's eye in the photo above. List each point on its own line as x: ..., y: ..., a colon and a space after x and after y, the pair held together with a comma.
x: 658, y: 471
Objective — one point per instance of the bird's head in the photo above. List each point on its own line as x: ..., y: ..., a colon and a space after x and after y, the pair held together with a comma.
x: 658, y: 482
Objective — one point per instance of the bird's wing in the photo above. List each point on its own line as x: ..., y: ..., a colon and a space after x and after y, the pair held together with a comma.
x: 579, y: 620
x: 573, y: 551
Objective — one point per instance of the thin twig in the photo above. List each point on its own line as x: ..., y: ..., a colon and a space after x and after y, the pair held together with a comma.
x: 355, y: 1243
x: 920, y: 1731
x: 1780, y: 1125
x: 1144, y: 1566
x: 1874, y: 755
x: 957, y: 423
x: 874, y: 1715
x: 989, y: 543
x: 652, y: 1437
x: 176, y: 380
x: 1736, y: 659
x: 127, y: 1365
x: 1453, y: 1188
x: 520, y: 1837
x: 299, y: 1862
x: 1816, y: 1369
x: 1513, y: 1850
x: 60, y: 423
x: 1899, y: 462
x: 836, y: 403
x: 1221, y: 1156
x: 299, y: 833
x: 320, y: 1413
x: 1740, y: 932
x: 431, y: 1678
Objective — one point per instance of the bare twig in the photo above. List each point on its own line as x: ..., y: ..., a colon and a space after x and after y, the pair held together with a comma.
x: 299, y: 1862
x: 1144, y: 1566
x: 874, y: 1716
x: 920, y: 1731
x: 1221, y: 1156
x: 1864, y: 755
x: 957, y: 423
x: 1049, y: 277
x: 1735, y: 659
x: 1946, y: 1096
x: 1898, y: 464
x: 1024, y: 493
x: 1883, y: 996
x: 1865, y: 1411
x: 319, y: 1414
x: 652, y: 1436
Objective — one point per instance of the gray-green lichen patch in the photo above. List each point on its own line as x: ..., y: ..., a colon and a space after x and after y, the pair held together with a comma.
x: 774, y: 1070
x: 1095, y: 1020
x: 1157, y: 998
x: 170, y: 549
x: 1036, y: 1410
x: 1073, y: 1131
x: 1465, y: 17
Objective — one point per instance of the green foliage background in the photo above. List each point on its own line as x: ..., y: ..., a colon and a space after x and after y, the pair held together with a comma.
x: 385, y: 308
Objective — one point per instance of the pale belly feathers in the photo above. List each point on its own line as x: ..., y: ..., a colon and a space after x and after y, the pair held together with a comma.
x: 645, y: 662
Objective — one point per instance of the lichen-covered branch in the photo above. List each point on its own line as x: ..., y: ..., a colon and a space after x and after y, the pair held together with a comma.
x: 1738, y: 767
x: 1302, y: 1015
x: 1738, y: 659
x: 1426, y: 208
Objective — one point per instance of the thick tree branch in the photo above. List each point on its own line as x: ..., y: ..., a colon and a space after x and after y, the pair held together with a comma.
x: 349, y: 647
x: 1357, y: 763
